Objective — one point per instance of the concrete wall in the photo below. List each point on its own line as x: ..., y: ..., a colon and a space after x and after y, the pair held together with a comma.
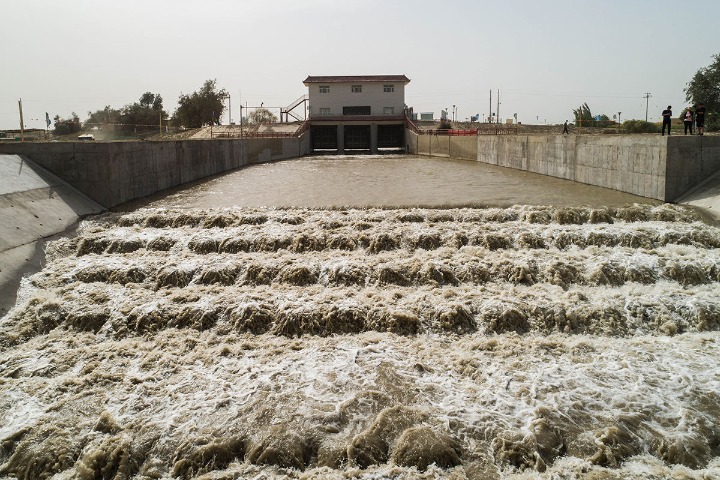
x: 117, y: 172
x: 647, y: 165
x: 690, y: 160
x: 441, y: 145
x: 629, y: 163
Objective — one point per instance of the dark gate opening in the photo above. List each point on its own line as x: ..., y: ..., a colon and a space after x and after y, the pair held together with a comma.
x: 324, y: 137
x: 357, y: 137
x: 390, y: 136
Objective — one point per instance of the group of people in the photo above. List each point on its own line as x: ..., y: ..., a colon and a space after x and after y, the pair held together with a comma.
x: 694, y: 114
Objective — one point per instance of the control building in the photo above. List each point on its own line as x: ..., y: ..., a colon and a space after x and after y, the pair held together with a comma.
x: 364, y: 112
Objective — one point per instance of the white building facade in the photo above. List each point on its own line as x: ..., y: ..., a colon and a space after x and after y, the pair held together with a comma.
x: 363, y: 112
x: 356, y: 95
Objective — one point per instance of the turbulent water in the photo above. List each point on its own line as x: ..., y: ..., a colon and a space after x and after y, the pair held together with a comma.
x: 523, y: 342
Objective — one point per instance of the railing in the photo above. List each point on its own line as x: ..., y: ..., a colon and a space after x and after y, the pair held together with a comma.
x: 410, y: 125
x: 296, y: 103
x: 303, y: 128
x: 494, y: 129
x: 253, y: 134
x: 451, y: 132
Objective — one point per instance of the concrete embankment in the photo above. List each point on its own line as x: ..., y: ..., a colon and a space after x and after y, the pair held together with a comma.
x: 112, y: 173
x: 35, y: 205
x: 663, y: 168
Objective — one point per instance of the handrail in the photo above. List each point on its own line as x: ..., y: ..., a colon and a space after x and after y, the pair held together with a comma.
x: 296, y: 103
x: 302, y: 128
x: 252, y: 135
x: 411, y: 125
x: 450, y: 132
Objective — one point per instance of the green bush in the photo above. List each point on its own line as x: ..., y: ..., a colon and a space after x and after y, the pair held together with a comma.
x: 639, y: 126
x: 66, y: 126
x: 712, y: 124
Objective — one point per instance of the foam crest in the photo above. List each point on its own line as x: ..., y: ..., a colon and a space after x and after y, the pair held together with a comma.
x: 527, y: 342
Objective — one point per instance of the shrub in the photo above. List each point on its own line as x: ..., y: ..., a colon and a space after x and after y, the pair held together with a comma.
x: 639, y: 126
x: 712, y: 124
x: 444, y: 125
x: 66, y: 126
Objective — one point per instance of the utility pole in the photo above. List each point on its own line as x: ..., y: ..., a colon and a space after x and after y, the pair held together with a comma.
x: 647, y: 102
x: 497, y: 112
x: 490, y: 112
x: 22, y: 122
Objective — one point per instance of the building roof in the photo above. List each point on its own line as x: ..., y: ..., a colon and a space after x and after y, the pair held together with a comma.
x: 356, y: 78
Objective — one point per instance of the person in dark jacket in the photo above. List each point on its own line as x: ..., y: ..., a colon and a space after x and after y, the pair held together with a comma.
x: 700, y: 118
x: 666, y: 116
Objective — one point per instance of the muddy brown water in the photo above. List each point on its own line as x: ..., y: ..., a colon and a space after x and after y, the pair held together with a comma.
x: 384, y: 181
x: 423, y: 319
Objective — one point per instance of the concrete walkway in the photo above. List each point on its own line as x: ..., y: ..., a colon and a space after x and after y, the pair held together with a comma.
x: 35, y: 205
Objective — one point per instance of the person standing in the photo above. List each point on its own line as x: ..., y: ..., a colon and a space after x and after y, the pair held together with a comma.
x: 666, y: 116
x: 700, y: 118
x: 565, y: 128
x: 688, y: 120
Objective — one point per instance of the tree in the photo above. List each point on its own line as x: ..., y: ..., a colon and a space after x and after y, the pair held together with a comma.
x: 202, y: 107
x: 142, y: 115
x: 66, y: 126
x: 108, y: 115
x: 262, y: 115
x: 583, y: 116
x: 704, y: 88
x: 583, y: 113
x: 151, y: 100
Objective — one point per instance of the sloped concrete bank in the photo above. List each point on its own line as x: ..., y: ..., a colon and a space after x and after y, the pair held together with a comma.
x: 34, y: 207
x: 112, y: 173
x: 663, y: 168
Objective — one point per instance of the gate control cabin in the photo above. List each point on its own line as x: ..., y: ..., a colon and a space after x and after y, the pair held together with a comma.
x: 364, y: 112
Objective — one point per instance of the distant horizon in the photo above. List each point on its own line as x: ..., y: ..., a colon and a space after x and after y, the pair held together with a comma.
x: 546, y: 59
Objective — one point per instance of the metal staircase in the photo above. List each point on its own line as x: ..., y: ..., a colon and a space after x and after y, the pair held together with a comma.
x: 287, y: 112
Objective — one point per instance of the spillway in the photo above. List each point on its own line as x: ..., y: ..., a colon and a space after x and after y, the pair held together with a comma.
x: 183, y: 340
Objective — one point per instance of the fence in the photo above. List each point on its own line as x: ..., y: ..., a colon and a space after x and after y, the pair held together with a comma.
x: 482, y: 129
x: 255, y: 134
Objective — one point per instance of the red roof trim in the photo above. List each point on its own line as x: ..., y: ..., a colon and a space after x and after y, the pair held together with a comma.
x: 356, y: 78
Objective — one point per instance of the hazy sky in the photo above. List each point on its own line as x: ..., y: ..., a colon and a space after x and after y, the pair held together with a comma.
x: 545, y: 56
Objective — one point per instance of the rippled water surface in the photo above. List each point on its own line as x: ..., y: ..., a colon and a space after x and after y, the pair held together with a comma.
x: 386, y: 180
x: 530, y: 341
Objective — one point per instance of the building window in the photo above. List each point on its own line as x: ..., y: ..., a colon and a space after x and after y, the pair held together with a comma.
x: 360, y: 110
x: 324, y: 112
x: 388, y: 88
x: 356, y: 89
x: 324, y: 88
x: 388, y: 110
